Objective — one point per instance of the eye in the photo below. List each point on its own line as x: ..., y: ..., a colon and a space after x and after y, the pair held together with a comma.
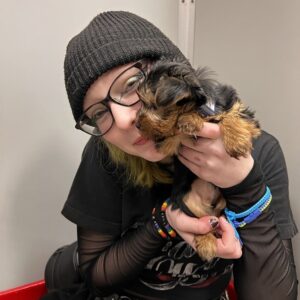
x: 124, y: 88
x: 132, y: 83
x: 98, y: 115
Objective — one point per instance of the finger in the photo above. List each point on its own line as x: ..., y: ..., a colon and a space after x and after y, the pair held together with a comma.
x: 194, y: 143
x: 210, y: 131
x: 193, y: 225
x: 200, y: 144
x: 228, y: 233
x: 192, y: 155
x: 233, y: 251
x: 192, y: 166
x: 228, y: 246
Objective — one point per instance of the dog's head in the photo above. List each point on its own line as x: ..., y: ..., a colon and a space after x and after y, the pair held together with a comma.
x: 170, y: 89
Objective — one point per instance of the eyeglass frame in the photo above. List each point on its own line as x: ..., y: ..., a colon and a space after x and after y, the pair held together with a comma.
x: 141, y: 64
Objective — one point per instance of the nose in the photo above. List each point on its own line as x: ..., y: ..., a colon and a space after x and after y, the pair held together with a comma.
x: 124, y: 116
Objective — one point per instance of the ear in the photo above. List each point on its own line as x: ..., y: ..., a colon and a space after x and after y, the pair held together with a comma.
x: 172, y: 90
x: 226, y: 96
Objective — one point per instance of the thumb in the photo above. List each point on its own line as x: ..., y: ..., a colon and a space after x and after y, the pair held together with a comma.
x: 184, y: 223
x: 210, y: 130
x: 204, y: 224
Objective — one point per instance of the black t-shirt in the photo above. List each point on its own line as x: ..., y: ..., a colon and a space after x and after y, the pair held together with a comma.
x: 102, y: 200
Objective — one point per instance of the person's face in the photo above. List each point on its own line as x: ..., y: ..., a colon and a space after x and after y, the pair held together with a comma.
x: 123, y: 132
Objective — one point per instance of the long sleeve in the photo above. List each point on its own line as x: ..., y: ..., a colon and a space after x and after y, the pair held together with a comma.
x: 266, y: 269
x: 109, y: 262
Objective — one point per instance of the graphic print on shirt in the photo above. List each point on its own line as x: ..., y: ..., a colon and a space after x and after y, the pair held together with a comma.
x: 179, y: 265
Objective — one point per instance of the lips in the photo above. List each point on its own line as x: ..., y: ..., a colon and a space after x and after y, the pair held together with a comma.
x: 141, y: 141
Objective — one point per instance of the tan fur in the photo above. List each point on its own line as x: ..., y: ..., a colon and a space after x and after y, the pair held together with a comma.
x: 237, y: 133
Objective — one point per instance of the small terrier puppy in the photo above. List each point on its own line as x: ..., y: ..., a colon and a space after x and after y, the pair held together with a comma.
x: 176, y: 101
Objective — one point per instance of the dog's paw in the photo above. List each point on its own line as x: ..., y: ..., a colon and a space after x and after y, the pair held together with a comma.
x: 187, y: 128
x: 190, y: 124
x: 206, y: 246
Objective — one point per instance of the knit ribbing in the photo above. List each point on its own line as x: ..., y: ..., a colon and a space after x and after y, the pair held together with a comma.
x: 111, y: 39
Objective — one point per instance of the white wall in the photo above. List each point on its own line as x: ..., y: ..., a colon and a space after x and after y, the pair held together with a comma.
x: 39, y: 147
x: 255, y: 46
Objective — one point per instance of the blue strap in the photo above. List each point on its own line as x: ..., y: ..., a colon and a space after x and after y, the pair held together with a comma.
x: 250, y: 214
x: 258, y: 204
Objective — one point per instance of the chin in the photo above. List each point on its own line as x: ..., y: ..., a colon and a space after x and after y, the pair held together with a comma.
x: 152, y: 155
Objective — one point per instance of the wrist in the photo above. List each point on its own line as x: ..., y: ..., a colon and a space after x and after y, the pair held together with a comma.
x: 253, y: 176
x: 241, y: 219
x: 160, y: 221
x: 243, y: 167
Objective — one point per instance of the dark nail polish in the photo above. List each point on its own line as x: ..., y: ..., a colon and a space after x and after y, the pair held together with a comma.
x: 214, y: 223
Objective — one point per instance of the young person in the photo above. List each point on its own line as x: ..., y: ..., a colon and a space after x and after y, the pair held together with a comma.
x: 125, y: 251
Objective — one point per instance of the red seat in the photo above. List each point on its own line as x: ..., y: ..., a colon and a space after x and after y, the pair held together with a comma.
x: 35, y: 290
x: 31, y: 291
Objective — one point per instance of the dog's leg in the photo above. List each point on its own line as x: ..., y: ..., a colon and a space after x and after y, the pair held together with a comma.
x: 206, y: 246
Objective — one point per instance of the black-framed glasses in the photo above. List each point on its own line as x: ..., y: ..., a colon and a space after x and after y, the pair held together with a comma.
x: 98, y: 119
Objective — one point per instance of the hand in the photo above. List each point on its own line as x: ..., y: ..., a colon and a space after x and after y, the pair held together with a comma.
x: 228, y: 246
x: 207, y: 158
x: 187, y: 227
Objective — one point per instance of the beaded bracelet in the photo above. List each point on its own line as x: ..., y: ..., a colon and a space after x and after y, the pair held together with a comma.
x: 161, y: 223
x: 158, y: 228
x: 250, y: 214
x: 170, y: 230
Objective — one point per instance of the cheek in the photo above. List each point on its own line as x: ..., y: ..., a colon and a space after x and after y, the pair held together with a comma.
x: 116, y: 140
x: 119, y: 140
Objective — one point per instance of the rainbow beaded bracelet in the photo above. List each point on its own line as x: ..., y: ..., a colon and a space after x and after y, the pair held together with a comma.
x: 170, y: 230
x: 161, y: 223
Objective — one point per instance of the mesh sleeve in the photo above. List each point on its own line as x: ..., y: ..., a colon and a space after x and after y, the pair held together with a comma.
x: 109, y: 262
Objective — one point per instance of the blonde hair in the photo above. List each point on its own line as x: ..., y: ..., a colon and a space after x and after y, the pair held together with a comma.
x: 138, y: 171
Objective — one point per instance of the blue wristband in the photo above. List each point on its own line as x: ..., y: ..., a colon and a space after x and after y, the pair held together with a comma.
x: 250, y: 214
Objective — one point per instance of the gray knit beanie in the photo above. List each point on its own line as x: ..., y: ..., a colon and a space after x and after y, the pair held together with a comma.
x: 111, y: 39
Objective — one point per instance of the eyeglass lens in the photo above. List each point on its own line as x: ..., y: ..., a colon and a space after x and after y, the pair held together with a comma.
x: 98, y: 119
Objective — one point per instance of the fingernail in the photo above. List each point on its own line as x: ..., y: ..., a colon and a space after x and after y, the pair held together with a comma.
x: 214, y: 222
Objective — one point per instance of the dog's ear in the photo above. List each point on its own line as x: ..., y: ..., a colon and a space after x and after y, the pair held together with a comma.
x: 225, y: 96
x: 172, y: 90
